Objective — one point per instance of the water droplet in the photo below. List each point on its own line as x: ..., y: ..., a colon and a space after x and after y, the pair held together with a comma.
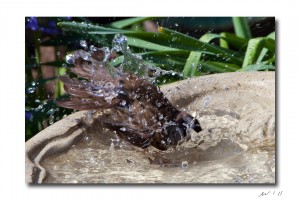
x: 70, y: 59
x: 84, y: 55
x: 123, y: 103
x: 176, y: 24
x: 58, y: 53
x: 39, y: 107
x: 106, y: 52
x: 184, y: 164
x: 168, y: 140
x: 30, y: 90
x: 83, y: 43
x: 51, y: 119
x: 64, y: 65
x: 207, y: 100
x: 123, y: 129
x: 144, y: 122
x: 33, y: 83
x: 116, y: 142
x: 93, y: 48
x: 50, y: 112
x: 161, y: 116
x: 119, y: 43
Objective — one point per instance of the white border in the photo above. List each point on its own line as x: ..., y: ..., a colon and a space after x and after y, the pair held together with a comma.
x: 12, y: 95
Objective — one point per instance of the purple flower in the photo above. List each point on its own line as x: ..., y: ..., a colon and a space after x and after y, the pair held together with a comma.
x: 28, y: 115
x: 33, y: 24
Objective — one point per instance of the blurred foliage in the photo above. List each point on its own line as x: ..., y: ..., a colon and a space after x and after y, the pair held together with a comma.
x: 170, y: 49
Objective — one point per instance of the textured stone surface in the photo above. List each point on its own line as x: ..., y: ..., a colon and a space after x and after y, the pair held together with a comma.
x: 235, y: 106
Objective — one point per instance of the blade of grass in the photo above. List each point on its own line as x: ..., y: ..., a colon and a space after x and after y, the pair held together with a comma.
x: 128, y: 22
x: 257, y: 67
x: 59, y: 88
x: 254, y: 48
x: 190, y: 67
x: 161, y: 57
x: 84, y: 28
x: 218, y: 67
x: 189, y: 43
x: 241, y: 27
x: 173, y: 39
x: 147, y: 45
x: 265, y: 50
x: 234, y: 41
x: 269, y: 43
x: 223, y: 43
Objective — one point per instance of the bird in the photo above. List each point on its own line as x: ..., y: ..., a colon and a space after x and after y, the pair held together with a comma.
x: 130, y: 105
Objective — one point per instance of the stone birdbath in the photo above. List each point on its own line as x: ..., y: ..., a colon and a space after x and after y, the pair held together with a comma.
x: 237, y: 144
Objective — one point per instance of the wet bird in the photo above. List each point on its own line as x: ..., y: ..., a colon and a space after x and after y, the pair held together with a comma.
x: 129, y: 105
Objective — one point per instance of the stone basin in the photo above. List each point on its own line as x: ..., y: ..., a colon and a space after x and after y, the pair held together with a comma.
x: 237, y: 144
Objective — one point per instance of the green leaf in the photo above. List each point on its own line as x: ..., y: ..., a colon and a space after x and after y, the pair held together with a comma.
x: 128, y: 22
x: 272, y: 35
x: 190, y: 67
x: 241, y: 27
x: 218, y: 67
x: 234, y: 41
x: 147, y: 45
x: 117, y: 61
x: 170, y: 58
x: 189, y: 43
x: 263, y: 54
x: 173, y: 39
x: 269, y: 43
x: 85, y: 28
x: 254, y: 49
x: 257, y: 67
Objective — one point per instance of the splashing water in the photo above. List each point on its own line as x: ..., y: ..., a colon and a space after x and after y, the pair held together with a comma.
x: 131, y: 62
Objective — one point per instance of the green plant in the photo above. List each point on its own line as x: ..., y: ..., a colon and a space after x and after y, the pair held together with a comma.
x: 171, y: 49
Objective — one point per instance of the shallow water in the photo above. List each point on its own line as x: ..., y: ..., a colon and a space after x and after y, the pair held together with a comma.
x: 237, y: 144
x: 215, y: 155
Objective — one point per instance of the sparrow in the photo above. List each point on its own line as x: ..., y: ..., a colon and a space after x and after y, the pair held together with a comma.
x: 130, y: 105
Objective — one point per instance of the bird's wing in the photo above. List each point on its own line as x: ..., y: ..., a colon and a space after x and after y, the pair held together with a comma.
x: 99, y: 91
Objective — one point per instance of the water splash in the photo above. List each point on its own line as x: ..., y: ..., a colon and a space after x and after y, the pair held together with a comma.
x: 207, y: 100
x: 131, y: 63
x: 83, y: 43
x: 184, y: 164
